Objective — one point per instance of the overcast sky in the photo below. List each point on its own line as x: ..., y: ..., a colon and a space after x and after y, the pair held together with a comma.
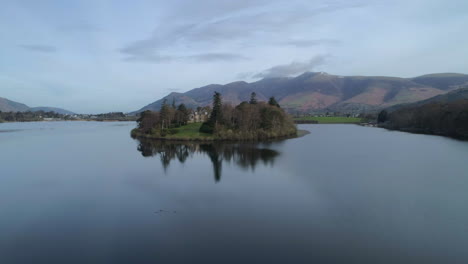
x: 100, y: 56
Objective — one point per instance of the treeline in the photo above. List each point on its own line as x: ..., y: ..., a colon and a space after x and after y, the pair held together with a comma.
x: 164, y: 122
x: 446, y: 119
x: 28, y: 116
x: 251, y: 120
x: 41, y: 115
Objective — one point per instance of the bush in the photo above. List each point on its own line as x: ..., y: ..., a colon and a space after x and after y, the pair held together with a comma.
x: 206, y: 128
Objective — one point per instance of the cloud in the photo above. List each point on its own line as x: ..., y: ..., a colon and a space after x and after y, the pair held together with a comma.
x: 39, y: 48
x: 304, y: 43
x: 244, y: 75
x: 248, y: 24
x: 209, y: 57
x: 293, y: 68
x: 148, y: 56
x: 78, y: 27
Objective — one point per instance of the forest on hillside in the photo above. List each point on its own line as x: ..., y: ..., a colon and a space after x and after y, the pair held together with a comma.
x: 437, y: 118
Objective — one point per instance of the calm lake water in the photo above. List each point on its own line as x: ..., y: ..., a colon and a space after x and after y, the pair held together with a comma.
x: 85, y: 192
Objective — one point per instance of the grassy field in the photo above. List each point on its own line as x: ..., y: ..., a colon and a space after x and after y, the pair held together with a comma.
x: 331, y: 119
x: 189, y: 131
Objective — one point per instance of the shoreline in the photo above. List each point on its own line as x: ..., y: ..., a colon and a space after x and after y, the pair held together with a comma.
x: 424, y: 132
x: 136, y: 135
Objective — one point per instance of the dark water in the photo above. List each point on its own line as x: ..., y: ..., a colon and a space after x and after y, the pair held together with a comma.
x: 87, y: 193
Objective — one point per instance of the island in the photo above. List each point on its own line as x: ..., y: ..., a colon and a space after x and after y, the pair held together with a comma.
x: 249, y: 121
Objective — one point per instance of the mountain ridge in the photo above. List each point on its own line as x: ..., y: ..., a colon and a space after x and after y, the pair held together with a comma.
x: 12, y: 106
x: 320, y: 91
x: 452, y: 96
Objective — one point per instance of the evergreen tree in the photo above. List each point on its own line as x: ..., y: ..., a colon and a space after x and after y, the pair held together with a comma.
x: 217, y: 112
x: 164, y: 114
x: 182, y: 114
x: 273, y: 102
x: 253, y: 98
x: 173, y: 103
x: 216, y: 117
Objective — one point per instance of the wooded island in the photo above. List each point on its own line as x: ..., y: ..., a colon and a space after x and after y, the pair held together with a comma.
x: 250, y: 121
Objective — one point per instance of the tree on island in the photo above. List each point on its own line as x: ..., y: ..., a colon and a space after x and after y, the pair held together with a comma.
x: 273, y: 102
x: 217, y: 112
x: 182, y: 115
x: 216, y: 116
x: 165, y: 115
x: 253, y: 98
x: 147, y: 121
x: 247, y: 121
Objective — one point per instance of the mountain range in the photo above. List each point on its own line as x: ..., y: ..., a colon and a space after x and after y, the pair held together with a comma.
x: 11, y: 106
x: 319, y: 91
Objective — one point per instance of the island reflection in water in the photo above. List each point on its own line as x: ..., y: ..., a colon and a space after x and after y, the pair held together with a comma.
x: 244, y: 155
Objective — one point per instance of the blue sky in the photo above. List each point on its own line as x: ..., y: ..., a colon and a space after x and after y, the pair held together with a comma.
x: 100, y: 56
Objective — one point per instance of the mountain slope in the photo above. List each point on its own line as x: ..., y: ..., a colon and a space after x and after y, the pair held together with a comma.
x: 443, y: 81
x: 11, y: 106
x: 452, y: 96
x: 314, y: 91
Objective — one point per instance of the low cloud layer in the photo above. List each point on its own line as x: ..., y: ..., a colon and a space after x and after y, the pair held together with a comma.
x: 212, y: 57
x: 204, y: 57
x: 294, y: 68
x: 301, y: 43
x: 39, y: 48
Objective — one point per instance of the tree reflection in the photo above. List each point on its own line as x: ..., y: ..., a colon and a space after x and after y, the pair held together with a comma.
x: 244, y: 155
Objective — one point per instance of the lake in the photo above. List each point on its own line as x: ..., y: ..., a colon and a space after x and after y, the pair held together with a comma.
x: 85, y: 192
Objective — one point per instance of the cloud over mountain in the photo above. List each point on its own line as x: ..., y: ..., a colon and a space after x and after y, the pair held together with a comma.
x: 292, y: 68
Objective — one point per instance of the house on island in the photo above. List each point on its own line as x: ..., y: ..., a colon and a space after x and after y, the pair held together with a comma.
x: 199, y: 115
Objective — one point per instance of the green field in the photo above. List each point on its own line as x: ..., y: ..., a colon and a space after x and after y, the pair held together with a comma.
x: 330, y: 119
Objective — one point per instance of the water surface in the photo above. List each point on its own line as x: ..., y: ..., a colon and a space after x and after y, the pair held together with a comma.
x: 85, y: 192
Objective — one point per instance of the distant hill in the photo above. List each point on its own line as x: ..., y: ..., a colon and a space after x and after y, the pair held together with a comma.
x: 11, y: 106
x: 319, y: 92
x: 51, y: 109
